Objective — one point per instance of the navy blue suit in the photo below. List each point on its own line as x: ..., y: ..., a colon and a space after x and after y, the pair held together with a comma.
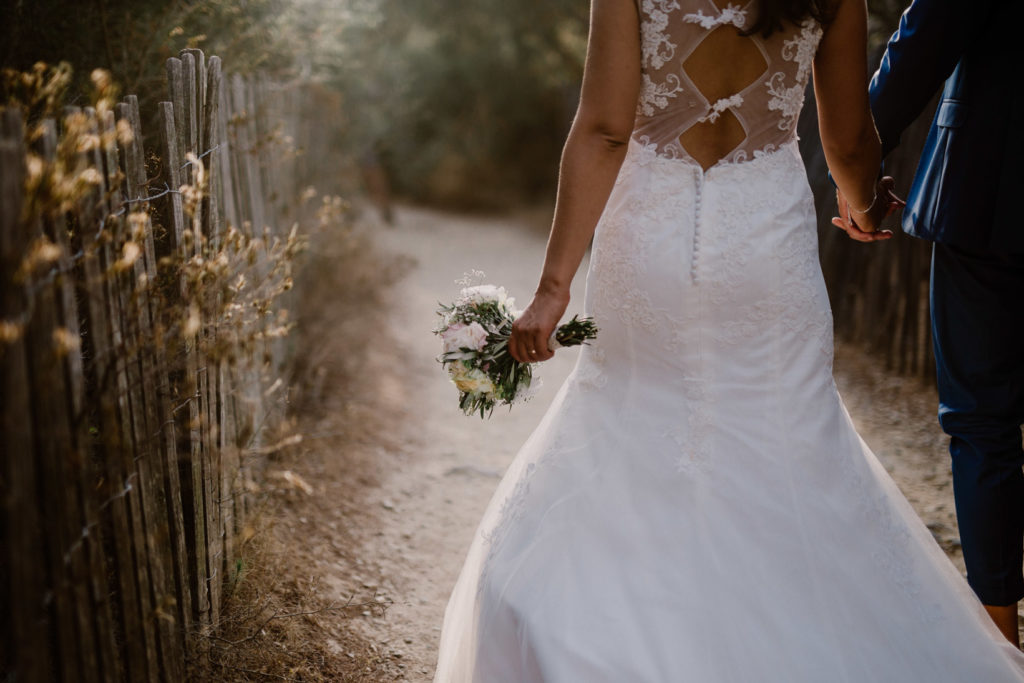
x: 966, y: 198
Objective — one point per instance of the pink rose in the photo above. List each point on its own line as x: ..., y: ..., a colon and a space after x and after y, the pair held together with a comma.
x: 461, y: 336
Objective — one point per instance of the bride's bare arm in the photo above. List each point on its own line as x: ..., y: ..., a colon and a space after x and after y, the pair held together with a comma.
x: 848, y: 135
x: 591, y: 159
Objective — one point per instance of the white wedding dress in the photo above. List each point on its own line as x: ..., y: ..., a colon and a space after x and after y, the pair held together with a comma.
x: 696, y: 505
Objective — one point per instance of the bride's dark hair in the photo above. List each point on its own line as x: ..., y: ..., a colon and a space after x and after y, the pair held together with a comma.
x: 772, y: 15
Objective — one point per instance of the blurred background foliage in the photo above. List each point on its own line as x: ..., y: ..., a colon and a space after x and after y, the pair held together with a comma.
x: 132, y: 38
x: 465, y: 104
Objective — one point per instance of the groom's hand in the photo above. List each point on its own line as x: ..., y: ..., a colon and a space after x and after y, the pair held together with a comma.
x: 888, y: 203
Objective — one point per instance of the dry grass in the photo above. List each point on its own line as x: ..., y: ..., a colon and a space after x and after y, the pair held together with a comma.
x: 287, y: 617
x: 278, y: 625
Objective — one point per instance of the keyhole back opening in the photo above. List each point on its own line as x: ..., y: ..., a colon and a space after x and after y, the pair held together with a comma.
x: 722, y: 66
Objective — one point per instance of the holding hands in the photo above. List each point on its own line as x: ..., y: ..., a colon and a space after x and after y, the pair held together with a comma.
x: 863, y: 225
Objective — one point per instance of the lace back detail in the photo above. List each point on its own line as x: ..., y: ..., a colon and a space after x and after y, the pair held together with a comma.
x: 732, y: 14
x: 750, y: 103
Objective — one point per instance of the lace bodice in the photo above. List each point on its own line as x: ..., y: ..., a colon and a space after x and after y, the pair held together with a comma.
x: 671, y: 101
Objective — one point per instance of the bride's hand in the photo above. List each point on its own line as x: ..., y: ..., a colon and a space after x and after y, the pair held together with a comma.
x: 531, y: 330
x: 864, y: 226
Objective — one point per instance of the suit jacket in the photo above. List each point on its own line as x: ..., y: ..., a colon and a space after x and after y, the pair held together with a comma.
x: 968, y: 190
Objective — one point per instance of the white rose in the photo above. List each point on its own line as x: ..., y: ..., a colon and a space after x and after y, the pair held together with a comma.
x: 462, y: 336
x: 483, y: 293
x: 470, y: 380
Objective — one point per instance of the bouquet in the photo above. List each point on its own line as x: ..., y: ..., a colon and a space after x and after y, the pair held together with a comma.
x: 475, y: 331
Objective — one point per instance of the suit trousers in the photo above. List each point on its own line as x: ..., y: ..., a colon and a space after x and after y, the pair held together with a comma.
x: 977, y: 304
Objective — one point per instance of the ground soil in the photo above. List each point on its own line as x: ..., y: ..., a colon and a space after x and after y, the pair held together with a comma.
x: 375, y: 509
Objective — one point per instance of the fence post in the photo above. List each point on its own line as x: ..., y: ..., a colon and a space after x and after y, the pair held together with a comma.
x: 194, y: 86
x: 228, y: 196
x: 206, y: 103
x: 189, y: 446
x: 26, y: 628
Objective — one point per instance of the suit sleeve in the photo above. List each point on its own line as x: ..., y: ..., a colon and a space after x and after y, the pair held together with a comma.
x: 931, y: 38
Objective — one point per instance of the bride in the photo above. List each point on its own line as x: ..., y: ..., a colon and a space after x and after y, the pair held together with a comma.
x: 696, y: 505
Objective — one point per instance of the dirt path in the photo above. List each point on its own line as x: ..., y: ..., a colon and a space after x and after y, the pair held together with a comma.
x: 429, y: 470
x: 429, y: 506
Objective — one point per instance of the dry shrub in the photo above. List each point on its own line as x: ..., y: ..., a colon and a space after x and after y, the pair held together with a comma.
x: 281, y: 621
x: 340, y: 315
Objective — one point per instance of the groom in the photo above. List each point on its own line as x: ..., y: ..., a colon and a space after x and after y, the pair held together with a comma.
x: 966, y: 198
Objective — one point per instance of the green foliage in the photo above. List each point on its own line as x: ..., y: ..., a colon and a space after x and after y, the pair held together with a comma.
x: 576, y: 332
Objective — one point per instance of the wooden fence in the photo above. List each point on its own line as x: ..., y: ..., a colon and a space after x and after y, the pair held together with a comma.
x: 125, y: 459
